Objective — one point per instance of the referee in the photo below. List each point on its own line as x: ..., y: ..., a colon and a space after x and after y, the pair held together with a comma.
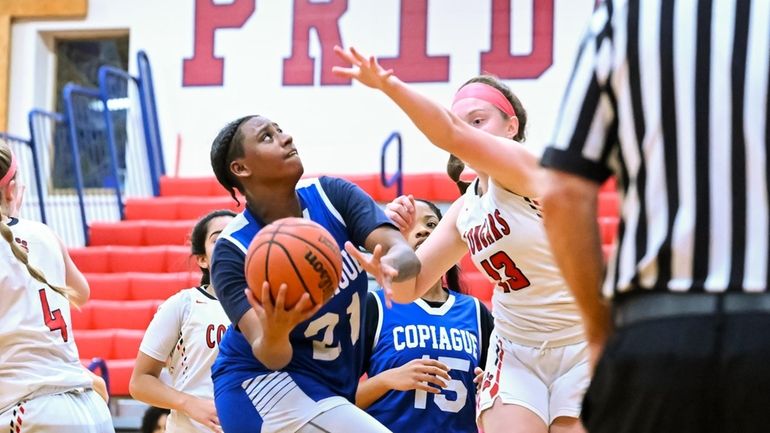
x: 671, y: 97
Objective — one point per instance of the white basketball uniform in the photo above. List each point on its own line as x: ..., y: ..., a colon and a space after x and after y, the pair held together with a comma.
x: 540, y: 358
x: 185, y: 333
x: 44, y: 250
x: 44, y: 388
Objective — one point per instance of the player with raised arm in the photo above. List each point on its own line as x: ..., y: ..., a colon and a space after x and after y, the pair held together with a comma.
x: 296, y: 369
x: 537, y: 375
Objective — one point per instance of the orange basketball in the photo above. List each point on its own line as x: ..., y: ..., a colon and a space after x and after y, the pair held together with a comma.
x: 298, y: 252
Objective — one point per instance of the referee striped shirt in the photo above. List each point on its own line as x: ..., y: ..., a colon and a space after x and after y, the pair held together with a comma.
x: 671, y: 96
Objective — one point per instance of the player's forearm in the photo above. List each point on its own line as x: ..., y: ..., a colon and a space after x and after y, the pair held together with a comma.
x: 433, y: 120
x: 371, y: 390
x: 274, y: 352
x: 151, y: 390
x: 403, y: 259
x: 569, y: 208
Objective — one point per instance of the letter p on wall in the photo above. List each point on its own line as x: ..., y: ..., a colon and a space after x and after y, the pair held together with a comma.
x: 205, y: 69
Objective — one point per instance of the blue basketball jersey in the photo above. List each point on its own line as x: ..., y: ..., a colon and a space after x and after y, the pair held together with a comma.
x: 326, y: 359
x: 451, y: 334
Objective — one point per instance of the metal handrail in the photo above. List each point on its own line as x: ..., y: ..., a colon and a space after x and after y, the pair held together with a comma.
x: 69, y: 90
x: 36, y: 168
x: 398, y: 176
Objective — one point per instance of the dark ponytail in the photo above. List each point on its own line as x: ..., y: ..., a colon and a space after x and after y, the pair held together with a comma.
x: 198, y: 239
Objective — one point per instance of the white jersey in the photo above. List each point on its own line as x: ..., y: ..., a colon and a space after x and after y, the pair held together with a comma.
x: 507, y: 241
x: 38, y: 355
x: 185, y: 333
x: 43, y: 248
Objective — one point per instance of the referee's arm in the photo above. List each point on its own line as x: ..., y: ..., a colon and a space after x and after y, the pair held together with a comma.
x: 575, y: 163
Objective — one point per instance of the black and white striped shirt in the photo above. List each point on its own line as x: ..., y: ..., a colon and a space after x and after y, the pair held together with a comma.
x: 671, y: 96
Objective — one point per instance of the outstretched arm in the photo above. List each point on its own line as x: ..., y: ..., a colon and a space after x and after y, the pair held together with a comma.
x: 506, y: 161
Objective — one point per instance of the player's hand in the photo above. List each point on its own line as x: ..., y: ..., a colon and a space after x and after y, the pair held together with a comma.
x: 202, y: 411
x: 373, y: 264
x: 402, y: 212
x: 276, y: 320
x: 418, y: 374
x: 99, y: 385
x: 479, y: 376
x: 367, y: 71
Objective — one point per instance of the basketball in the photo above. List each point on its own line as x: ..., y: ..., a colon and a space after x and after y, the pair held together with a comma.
x: 298, y: 252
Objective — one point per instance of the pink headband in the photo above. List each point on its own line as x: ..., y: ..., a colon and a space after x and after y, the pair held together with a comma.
x: 9, y: 175
x: 485, y: 92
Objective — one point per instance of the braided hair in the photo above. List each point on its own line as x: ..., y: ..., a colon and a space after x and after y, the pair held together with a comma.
x: 226, y: 147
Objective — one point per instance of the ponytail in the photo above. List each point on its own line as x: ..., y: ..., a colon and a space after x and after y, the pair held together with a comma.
x: 22, y: 256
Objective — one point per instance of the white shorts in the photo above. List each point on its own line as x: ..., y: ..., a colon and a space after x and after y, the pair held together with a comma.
x: 69, y: 412
x: 344, y: 418
x: 549, y: 381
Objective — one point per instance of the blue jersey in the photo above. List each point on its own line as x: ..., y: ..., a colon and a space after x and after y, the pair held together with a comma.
x: 451, y: 333
x: 327, y: 359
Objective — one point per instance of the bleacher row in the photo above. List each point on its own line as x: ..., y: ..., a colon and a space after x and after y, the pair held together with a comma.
x: 135, y: 264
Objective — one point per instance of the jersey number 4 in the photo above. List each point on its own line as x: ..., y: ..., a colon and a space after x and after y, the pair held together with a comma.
x: 53, y: 319
x: 502, y: 269
x: 326, y: 350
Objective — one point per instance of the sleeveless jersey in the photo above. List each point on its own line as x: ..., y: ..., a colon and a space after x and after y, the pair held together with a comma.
x: 450, y: 334
x: 43, y: 248
x: 326, y: 358
x: 38, y: 355
x: 185, y: 333
x: 507, y: 242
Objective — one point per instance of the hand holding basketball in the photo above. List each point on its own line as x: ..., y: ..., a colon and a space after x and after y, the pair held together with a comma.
x: 276, y: 319
x: 367, y: 71
x: 297, y: 253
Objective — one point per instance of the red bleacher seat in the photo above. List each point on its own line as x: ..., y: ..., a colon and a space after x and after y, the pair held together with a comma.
x: 608, y: 204
x: 120, y: 375
x: 82, y: 317
x: 93, y: 343
x: 176, y: 208
x: 140, y: 232
x: 608, y: 227
x: 126, y: 343
x: 161, y: 286
x: 104, y: 259
x: 122, y: 314
x: 109, y: 287
x: 190, y: 186
x: 134, y: 286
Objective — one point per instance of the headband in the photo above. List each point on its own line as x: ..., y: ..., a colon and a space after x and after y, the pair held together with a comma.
x: 485, y: 92
x: 5, y: 180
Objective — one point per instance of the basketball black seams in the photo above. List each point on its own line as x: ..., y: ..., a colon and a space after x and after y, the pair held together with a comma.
x: 323, y: 241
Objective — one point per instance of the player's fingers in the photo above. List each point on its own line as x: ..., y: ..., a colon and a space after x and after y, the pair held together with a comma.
x: 377, y: 253
x: 358, y: 56
x: 436, y: 371
x: 250, y: 297
x: 411, y: 203
x: 267, y: 298
x: 425, y: 387
x: 436, y: 380
x: 303, y: 305
x: 434, y: 363
x: 344, y: 72
x: 280, y: 300
x: 388, y: 296
x: 344, y: 54
x: 397, y: 219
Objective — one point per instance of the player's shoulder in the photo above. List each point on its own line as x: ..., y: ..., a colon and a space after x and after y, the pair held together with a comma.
x: 32, y: 228
x: 180, y: 298
x: 238, y: 232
